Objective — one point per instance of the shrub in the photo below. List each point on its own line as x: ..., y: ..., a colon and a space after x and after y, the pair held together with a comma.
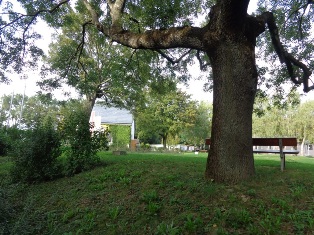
x: 4, y: 142
x: 145, y: 146
x: 35, y: 155
x: 100, y: 140
x: 8, y: 137
x: 81, y: 145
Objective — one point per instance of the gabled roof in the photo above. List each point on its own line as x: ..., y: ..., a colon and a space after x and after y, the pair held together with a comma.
x: 113, y: 115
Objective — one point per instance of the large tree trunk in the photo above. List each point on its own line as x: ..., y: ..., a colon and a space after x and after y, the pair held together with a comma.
x: 230, y: 157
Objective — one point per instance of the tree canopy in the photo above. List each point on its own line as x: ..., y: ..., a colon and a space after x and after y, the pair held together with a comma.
x: 104, y: 70
x: 200, y: 129
x: 28, y: 112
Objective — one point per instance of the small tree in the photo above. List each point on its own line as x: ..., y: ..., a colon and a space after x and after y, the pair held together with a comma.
x: 200, y: 130
x: 166, y: 115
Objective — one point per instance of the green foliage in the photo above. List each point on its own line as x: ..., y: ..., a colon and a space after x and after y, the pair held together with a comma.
x: 38, y: 108
x: 4, y: 142
x: 100, y: 139
x: 165, y: 115
x: 96, y: 72
x: 35, y: 155
x: 169, y: 229
x: 151, y: 200
x: 153, y: 208
x: 292, y: 120
x: 295, y: 24
x: 144, y: 146
x: 236, y: 218
x: 302, y: 121
x: 126, y: 23
x: 27, y: 216
x: 10, y: 136
x: 120, y: 135
x: 150, y: 196
x: 27, y: 112
x: 163, y: 14
x: 11, y: 106
x: 81, y: 145
x: 114, y: 212
x: 6, y: 212
x: 201, y: 128
x: 16, y: 53
x: 192, y: 224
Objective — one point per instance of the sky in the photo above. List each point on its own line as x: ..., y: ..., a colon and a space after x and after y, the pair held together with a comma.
x: 18, y: 86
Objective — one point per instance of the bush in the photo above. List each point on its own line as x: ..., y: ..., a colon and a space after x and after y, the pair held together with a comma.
x: 8, y: 136
x: 100, y: 140
x: 81, y: 145
x: 35, y: 155
x: 144, y: 146
x: 4, y: 142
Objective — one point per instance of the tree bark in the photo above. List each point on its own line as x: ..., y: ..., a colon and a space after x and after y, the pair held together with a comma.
x: 230, y: 158
x: 303, y: 143
x: 164, y: 141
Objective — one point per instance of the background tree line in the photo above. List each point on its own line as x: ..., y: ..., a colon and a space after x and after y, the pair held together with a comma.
x: 170, y: 119
x: 294, y: 119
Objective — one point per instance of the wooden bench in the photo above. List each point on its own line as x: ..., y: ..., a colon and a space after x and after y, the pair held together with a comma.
x: 281, y: 143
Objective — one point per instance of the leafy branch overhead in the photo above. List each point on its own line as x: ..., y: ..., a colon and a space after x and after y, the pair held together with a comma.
x: 111, y: 20
x: 290, y: 61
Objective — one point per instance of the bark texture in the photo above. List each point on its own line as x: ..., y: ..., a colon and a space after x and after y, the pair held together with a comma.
x: 235, y: 79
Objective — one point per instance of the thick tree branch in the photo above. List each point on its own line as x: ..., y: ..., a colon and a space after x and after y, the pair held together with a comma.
x: 186, y: 37
x: 93, y: 13
x: 116, y: 11
x: 286, y: 57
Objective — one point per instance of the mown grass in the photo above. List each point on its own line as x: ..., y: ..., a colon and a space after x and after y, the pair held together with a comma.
x: 165, y: 194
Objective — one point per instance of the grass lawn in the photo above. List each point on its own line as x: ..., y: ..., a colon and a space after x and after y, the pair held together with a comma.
x: 150, y: 193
